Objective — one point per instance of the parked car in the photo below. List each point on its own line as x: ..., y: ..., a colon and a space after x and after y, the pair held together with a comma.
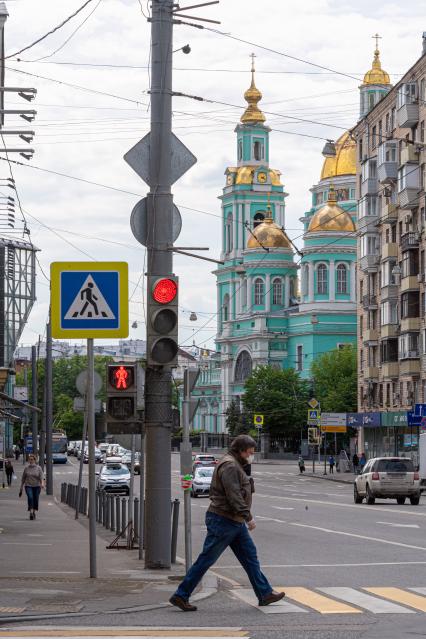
x: 114, y: 478
x: 203, y: 460
x: 76, y: 448
x: 99, y: 456
x: 103, y: 446
x: 202, y: 480
x: 127, y: 459
x: 70, y: 447
x: 388, y: 478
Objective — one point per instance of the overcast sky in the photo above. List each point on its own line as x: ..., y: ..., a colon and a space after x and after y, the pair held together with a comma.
x: 85, y: 135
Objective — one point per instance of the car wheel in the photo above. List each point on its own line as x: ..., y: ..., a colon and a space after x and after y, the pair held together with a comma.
x: 415, y: 500
x: 194, y: 495
x: 369, y: 497
x: 357, y: 497
x: 400, y: 501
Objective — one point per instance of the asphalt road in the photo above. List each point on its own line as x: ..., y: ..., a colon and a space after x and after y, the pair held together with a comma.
x: 348, y: 570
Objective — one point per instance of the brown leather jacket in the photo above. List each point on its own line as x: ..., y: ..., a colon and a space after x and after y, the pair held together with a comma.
x: 231, y: 490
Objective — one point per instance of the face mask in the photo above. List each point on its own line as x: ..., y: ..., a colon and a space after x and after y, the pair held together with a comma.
x: 250, y: 459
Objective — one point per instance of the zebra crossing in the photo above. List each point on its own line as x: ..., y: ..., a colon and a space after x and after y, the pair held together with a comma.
x: 341, y: 600
x: 121, y: 633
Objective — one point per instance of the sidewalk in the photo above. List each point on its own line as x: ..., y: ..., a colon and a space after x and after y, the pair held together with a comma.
x: 45, y: 565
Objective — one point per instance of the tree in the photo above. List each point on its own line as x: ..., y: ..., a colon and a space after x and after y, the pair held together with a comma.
x: 236, y: 422
x: 335, y: 380
x: 279, y: 395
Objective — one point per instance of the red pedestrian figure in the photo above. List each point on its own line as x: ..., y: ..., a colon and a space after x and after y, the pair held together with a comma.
x: 121, y: 376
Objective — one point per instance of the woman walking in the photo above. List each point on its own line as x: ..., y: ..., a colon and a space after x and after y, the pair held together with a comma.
x: 9, y: 471
x: 33, y: 482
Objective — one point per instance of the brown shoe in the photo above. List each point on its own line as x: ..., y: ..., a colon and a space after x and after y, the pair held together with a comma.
x: 183, y: 604
x: 272, y: 598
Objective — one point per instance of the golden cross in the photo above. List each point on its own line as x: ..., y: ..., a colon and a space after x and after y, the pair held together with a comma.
x: 377, y: 38
x: 252, y: 55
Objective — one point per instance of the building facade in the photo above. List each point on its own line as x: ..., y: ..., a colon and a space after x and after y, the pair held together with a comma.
x: 391, y: 160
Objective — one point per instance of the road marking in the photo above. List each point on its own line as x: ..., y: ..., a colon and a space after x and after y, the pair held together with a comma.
x: 368, y: 602
x: 314, y: 600
x: 364, y: 537
x: 22, y: 543
x: 400, y: 596
x: 388, y: 523
x: 278, y: 521
x: 281, y: 607
x: 421, y: 591
x: 10, y: 610
x: 283, y: 507
x: 181, y: 633
x: 357, y: 565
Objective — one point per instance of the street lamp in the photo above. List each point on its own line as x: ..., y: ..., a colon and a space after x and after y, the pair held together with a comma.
x: 329, y: 150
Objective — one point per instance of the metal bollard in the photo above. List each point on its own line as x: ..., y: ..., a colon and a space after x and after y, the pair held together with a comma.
x: 117, y: 515
x: 136, y: 517
x: 123, y: 514
x: 63, y: 492
x: 107, y: 508
x: 97, y: 505
x: 104, y: 507
x: 112, y: 513
x: 175, y: 525
x: 86, y: 494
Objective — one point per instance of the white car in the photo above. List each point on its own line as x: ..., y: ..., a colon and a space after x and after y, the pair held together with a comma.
x: 114, y: 478
x: 388, y: 478
x: 202, y: 480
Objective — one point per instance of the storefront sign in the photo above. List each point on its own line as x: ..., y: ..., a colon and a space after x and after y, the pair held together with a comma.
x: 394, y: 418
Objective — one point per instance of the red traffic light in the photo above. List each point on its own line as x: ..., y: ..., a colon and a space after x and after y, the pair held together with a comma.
x: 165, y: 291
x: 121, y: 377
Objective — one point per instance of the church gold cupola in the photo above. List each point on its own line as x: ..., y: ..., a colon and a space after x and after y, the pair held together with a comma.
x: 376, y: 83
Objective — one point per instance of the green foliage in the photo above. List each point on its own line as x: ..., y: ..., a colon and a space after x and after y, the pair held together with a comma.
x: 236, y: 422
x: 279, y: 395
x: 335, y: 380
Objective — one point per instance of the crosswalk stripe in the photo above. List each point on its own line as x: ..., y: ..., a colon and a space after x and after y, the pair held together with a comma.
x: 314, y: 600
x: 421, y: 591
x: 400, y: 596
x: 368, y: 602
x: 281, y: 607
x: 122, y: 633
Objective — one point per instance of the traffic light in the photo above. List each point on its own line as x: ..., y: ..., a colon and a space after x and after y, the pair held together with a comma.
x: 313, y: 436
x: 162, y: 326
x: 121, y: 393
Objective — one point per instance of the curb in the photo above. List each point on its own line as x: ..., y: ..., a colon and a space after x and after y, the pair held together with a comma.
x: 327, y: 478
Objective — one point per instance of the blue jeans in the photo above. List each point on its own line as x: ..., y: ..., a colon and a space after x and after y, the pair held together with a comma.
x: 33, y: 493
x: 221, y: 533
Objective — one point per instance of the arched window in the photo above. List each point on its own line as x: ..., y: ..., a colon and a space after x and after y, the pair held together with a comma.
x: 240, y: 150
x: 277, y: 292
x: 259, y: 292
x: 322, y: 280
x: 342, y: 278
x: 258, y: 150
x: 305, y: 280
x: 225, y: 306
x: 258, y: 218
x: 244, y: 293
x: 243, y: 367
x: 228, y: 234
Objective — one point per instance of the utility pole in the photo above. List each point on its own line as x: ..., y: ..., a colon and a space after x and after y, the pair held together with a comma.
x: 34, y: 414
x: 49, y: 409
x: 90, y: 407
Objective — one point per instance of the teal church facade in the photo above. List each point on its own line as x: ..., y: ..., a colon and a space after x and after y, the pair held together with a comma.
x: 276, y: 305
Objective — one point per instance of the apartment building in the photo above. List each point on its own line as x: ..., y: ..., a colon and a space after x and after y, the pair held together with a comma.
x: 391, y: 276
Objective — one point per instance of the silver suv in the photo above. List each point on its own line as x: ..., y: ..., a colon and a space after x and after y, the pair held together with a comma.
x: 388, y: 478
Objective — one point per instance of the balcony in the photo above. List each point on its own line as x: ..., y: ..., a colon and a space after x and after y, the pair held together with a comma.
x: 369, y: 187
x: 389, y: 292
x: 389, y: 213
x: 408, y: 115
x: 369, y: 302
x: 409, y: 324
x: 409, y: 154
x: 369, y: 262
x: 371, y: 372
x: 410, y: 366
x: 410, y: 283
x: 410, y: 241
x: 423, y: 363
x: 371, y: 335
x: 389, y: 250
x: 409, y: 197
x: 389, y: 330
x: 390, y: 369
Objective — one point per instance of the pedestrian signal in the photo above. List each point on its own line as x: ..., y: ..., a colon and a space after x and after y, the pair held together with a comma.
x: 162, y: 326
x: 121, y: 393
x: 121, y: 377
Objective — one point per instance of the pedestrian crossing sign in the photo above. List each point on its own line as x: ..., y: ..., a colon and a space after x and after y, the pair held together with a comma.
x: 89, y: 299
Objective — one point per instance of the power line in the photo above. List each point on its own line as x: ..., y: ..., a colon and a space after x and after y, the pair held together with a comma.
x: 46, y: 35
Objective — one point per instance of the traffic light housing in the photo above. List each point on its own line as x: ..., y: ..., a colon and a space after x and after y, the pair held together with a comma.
x: 121, y: 393
x: 162, y: 325
x: 313, y: 436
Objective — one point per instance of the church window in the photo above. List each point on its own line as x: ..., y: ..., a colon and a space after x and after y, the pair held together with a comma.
x: 259, y: 292
x: 244, y: 293
x: 292, y: 290
x: 370, y: 101
x: 243, y: 367
x: 299, y: 358
x: 322, y: 280
x: 226, y: 308
x: 240, y: 150
x: 228, y: 234
x: 305, y: 280
x: 258, y: 218
x: 342, y: 279
x: 277, y: 292
x: 258, y: 150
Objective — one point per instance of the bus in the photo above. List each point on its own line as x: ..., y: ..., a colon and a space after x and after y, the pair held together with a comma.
x: 59, y: 447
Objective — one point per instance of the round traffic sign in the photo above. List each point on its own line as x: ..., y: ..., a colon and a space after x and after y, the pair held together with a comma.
x: 138, y: 222
x: 81, y: 382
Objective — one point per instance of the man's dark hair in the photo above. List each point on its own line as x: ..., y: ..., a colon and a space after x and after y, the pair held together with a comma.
x: 242, y: 443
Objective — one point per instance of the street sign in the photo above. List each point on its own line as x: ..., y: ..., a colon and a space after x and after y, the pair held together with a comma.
x: 313, y: 403
x: 333, y: 422
x: 20, y: 393
x: 313, y: 417
x: 89, y: 299
x: 258, y: 421
x: 81, y: 382
x: 79, y: 405
x: 423, y: 424
x: 139, y: 224
x: 333, y: 429
x: 29, y: 444
x: 138, y: 158
x: 420, y: 409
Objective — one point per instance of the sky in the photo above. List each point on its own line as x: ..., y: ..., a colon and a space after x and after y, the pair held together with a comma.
x: 84, y: 133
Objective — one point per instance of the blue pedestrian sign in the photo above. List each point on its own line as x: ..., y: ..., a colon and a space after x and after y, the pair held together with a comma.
x: 89, y: 299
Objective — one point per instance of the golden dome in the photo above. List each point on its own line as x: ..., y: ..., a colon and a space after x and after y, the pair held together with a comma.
x: 245, y: 175
x: 344, y: 162
x: 252, y: 114
x: 376, y: 75
x: 331, y: 217
x: 268, y: 235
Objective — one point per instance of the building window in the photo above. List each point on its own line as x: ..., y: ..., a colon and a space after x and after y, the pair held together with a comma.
x: 305, y: 280
x: 410, y: 263
x: 409, y: 345
x: 244, y: 292
x: 389, y: 313
x: 422, y: 131
x: 322, y: 280
x: 277, y: 292
x: 389, y: 350
x: 228, y: 234
x: 258, y: 218
x: 243, y: 367
x: 299, y: 358
x: 240, y: 150
x: 258, y: 150
x: 226, y: 308
x: 259, y: 292
x: 342, y: 279
x: 410, y: 305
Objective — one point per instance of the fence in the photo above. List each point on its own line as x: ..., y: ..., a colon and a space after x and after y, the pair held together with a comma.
x: 114, y: 512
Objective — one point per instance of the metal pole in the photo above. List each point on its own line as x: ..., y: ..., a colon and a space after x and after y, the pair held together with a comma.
x: 130, y: 531
x: 158, y: 381
x: 80, y: 469
x: 34, y: 400
x: 142, y: 497
x: 91, y: 441
x: 187, y: 494
x: 3, y: 431
x: 49, y: 410
x: 325, y: 452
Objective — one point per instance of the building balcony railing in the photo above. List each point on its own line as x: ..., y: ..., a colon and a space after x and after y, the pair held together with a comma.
x: 371, y: 335
x: 390, y: 369
x: 371, y: 372
x: 389, y: 249
x: 410, y: 241
x: 369, y: 262
x: 410, y: 283
x: 369, y: 302
x: 409, y: 324
x: 370, y: 186
x: 409, y: 366
x: 409, y: 197
x: 410, y: 154
x: 389, y: 213
x: 408, y: 115
x: 387, y: 172
x: 389, y: 292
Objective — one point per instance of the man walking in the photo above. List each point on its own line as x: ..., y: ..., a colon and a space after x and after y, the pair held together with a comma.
x: 228, y: 522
